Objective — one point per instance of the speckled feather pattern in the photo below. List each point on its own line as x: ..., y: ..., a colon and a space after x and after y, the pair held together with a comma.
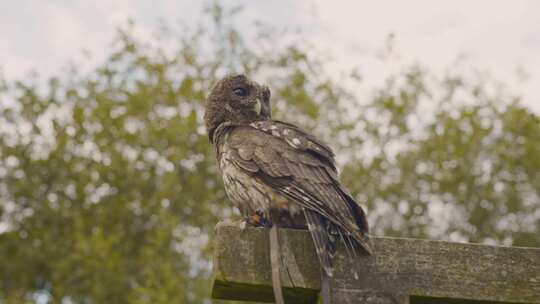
x: 275, y: 165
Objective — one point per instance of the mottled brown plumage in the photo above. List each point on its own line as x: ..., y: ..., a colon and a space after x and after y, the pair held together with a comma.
x: 276, y: 167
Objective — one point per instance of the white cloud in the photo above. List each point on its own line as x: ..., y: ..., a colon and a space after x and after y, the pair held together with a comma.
x: 499, y: 36
x: 45, y: 36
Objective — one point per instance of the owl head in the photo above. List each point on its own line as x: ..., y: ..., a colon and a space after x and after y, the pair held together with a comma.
x: 238, y: 100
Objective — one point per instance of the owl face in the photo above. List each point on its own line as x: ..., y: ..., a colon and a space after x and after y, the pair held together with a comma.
x: 236, y: 99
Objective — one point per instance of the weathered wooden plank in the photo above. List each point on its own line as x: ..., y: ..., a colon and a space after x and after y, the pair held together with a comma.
x: 242, y: 265
x: 444, y: 270
x: 426, y: 271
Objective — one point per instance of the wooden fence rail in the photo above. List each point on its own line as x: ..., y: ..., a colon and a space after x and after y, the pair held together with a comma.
x: 401, y: 270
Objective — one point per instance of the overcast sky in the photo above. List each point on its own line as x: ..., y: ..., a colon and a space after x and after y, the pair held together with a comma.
x: 502, y: 37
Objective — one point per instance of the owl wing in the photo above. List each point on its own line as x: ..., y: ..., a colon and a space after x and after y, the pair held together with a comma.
x: 302, y: 168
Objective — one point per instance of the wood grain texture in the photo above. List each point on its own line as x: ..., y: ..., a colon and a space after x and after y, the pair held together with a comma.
x: 400, y: 271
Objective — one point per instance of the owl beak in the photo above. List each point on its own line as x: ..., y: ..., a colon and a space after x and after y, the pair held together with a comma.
x: 257, y: 106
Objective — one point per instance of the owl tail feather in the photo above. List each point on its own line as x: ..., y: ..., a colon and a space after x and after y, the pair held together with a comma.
x: 350, y: 245
x: 325, y: 247
x: 324, y: 244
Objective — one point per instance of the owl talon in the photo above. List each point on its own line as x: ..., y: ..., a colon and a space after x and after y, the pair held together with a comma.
x: 263, y: 221
x: 258, y: 219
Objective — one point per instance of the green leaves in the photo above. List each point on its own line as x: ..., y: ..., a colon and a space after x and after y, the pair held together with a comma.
x: 464, y: 171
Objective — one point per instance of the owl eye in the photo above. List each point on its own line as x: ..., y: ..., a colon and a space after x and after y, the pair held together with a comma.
x: 240, y: 92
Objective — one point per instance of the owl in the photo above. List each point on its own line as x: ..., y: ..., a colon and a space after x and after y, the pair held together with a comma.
x: 278, y: 174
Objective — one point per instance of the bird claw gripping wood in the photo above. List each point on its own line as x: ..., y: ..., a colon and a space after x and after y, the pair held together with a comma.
x: 256, y: 219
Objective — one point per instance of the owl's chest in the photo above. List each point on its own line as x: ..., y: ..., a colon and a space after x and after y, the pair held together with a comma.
x: 246, y: 191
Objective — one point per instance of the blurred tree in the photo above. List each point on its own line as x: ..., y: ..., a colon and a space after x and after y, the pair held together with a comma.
x: 108, y: 186
x: 453, y: 159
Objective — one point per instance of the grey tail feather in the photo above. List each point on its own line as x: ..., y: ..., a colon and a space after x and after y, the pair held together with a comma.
x: 350, y: 243
x: 323, y: 241
x: 354, y: 245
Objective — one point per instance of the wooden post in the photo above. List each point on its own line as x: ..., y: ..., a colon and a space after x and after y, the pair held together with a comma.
x: 401, y: 270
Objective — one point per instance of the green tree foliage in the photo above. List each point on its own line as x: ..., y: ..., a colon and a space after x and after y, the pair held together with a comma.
x: 109, y: 190
x: 454, y: 159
